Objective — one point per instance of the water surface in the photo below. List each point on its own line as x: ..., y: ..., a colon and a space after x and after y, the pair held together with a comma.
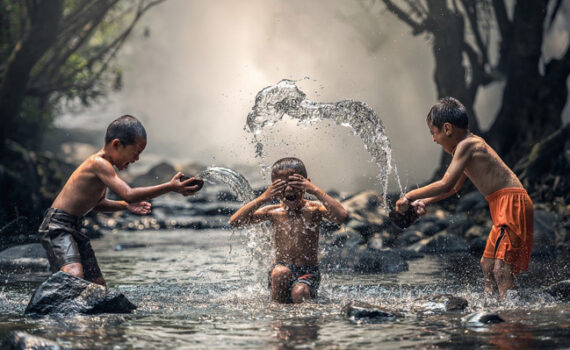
x: 198, y: 289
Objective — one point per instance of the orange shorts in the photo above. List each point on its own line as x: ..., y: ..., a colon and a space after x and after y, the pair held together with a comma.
x: 511, y: 237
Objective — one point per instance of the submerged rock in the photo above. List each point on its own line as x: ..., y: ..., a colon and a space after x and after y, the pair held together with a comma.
x: 560, y: 290
x: 479, y: 319
x: 18, y: 340
x: 364, y: 312
x: 440, y: 303
x: 63, y: 293
x: 24, y: 258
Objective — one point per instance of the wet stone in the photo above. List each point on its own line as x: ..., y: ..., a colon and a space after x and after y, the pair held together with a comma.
x: 471, y: 201
x: 560, y: 290
x: 63, y: 293
x: 543, y: 243
x: 364, y: 312
x: 376, y: 260
x: 24, y: 258
x: 409, y: 237
x: 440, y: 303
x: 18, y: 340
x: 443, y: 242
x: 480, y: 319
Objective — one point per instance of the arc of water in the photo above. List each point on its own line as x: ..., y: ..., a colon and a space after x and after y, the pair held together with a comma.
x: 285, y: 98
x: 258, y: 242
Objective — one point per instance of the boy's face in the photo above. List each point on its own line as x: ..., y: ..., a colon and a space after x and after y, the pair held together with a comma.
x: 442, y: 136
x: 127, y: 154
x: 291, y: 195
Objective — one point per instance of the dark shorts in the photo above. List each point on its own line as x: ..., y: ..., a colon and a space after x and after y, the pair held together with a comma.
x: 309, y: 275
x: 61, y: 236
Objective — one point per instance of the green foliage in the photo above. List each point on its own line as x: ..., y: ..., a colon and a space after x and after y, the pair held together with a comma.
x: 79, y: 67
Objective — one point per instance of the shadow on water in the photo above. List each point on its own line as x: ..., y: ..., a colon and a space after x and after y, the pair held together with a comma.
x: 194, y: 292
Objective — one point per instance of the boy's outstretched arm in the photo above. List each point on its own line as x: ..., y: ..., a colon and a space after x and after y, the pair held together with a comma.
x: 105, y: 172
x: 453, y: 191
x: 107, y: 205
x: 249, y: 213
x: 440, y: 188
x: 335, y: 212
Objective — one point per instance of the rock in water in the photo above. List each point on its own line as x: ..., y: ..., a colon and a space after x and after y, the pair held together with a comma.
x: 19, y: 340
x: 560, y: 290
x: 363, y: 312
x: 63, y: 293
x: 24, y: 258
x: 479, y: 319
x: 440, y: 303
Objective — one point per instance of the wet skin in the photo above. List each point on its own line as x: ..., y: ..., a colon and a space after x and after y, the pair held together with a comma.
x: 475, y: 159
x: 295, y: 222
x: 86, y: 188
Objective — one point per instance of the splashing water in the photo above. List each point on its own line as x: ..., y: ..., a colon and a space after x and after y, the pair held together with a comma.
x: 234, y: 180
x: 258, y: 238
x: 273, y: 102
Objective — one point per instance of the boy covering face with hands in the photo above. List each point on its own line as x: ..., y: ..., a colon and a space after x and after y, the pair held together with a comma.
x: 294, y: 276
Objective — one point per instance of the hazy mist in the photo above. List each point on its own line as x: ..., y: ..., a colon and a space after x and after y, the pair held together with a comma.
x: 193, y: 81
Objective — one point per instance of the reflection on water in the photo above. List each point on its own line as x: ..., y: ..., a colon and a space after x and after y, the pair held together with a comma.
x: 192, y: 292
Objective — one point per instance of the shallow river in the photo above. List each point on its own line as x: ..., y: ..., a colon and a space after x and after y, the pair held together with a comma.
x: 200, y: 289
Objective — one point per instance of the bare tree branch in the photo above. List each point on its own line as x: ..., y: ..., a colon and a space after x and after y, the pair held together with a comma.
x: 554, y: 13
x: 105, y: 54
x: 417, y: 28
x: 471, y: 11
x: 505, y: 25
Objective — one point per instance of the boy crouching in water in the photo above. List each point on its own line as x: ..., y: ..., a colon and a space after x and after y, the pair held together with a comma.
x: 295, y: 274
x: 68, y: 249
x: 509, y: 244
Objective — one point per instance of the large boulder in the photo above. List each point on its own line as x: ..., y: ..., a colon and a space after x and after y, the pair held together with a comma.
x: 364, y: 312
x: 443, y: 242
x: 18, y: 340
x: 560, y: 290
x: 24, y: 258
x: 63, y: 293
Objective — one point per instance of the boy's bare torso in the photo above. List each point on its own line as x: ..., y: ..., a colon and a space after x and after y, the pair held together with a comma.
x: 486, y: 169
x: 296, y: 233
x: 83, y: 190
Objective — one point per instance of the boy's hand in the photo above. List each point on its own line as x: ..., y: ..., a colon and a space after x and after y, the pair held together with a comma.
x: 420, y: 207
x: 141, y: 208
x: 183, y: 187
x: 402, y: 204
x: 274, y: 190
x: 300, y: 183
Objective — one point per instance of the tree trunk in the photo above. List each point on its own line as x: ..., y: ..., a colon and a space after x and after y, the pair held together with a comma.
x: 524, y: 116
x: 44, y: 16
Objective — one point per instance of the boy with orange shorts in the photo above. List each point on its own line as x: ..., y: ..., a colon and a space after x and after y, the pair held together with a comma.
x: 509, y: 244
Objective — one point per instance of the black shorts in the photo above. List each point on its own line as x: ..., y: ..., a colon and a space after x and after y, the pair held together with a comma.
x: 61, y: 236
x: 309, y: 275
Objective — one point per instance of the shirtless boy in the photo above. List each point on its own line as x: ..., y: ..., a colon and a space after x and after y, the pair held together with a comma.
x: 295, y: 274
x: 68, y: 249
x: 510, y: 241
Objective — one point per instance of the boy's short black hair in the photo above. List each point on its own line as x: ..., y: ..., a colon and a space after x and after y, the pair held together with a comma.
x: 448, y: 110
x: 289, y: 163
x: 125, y: 128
